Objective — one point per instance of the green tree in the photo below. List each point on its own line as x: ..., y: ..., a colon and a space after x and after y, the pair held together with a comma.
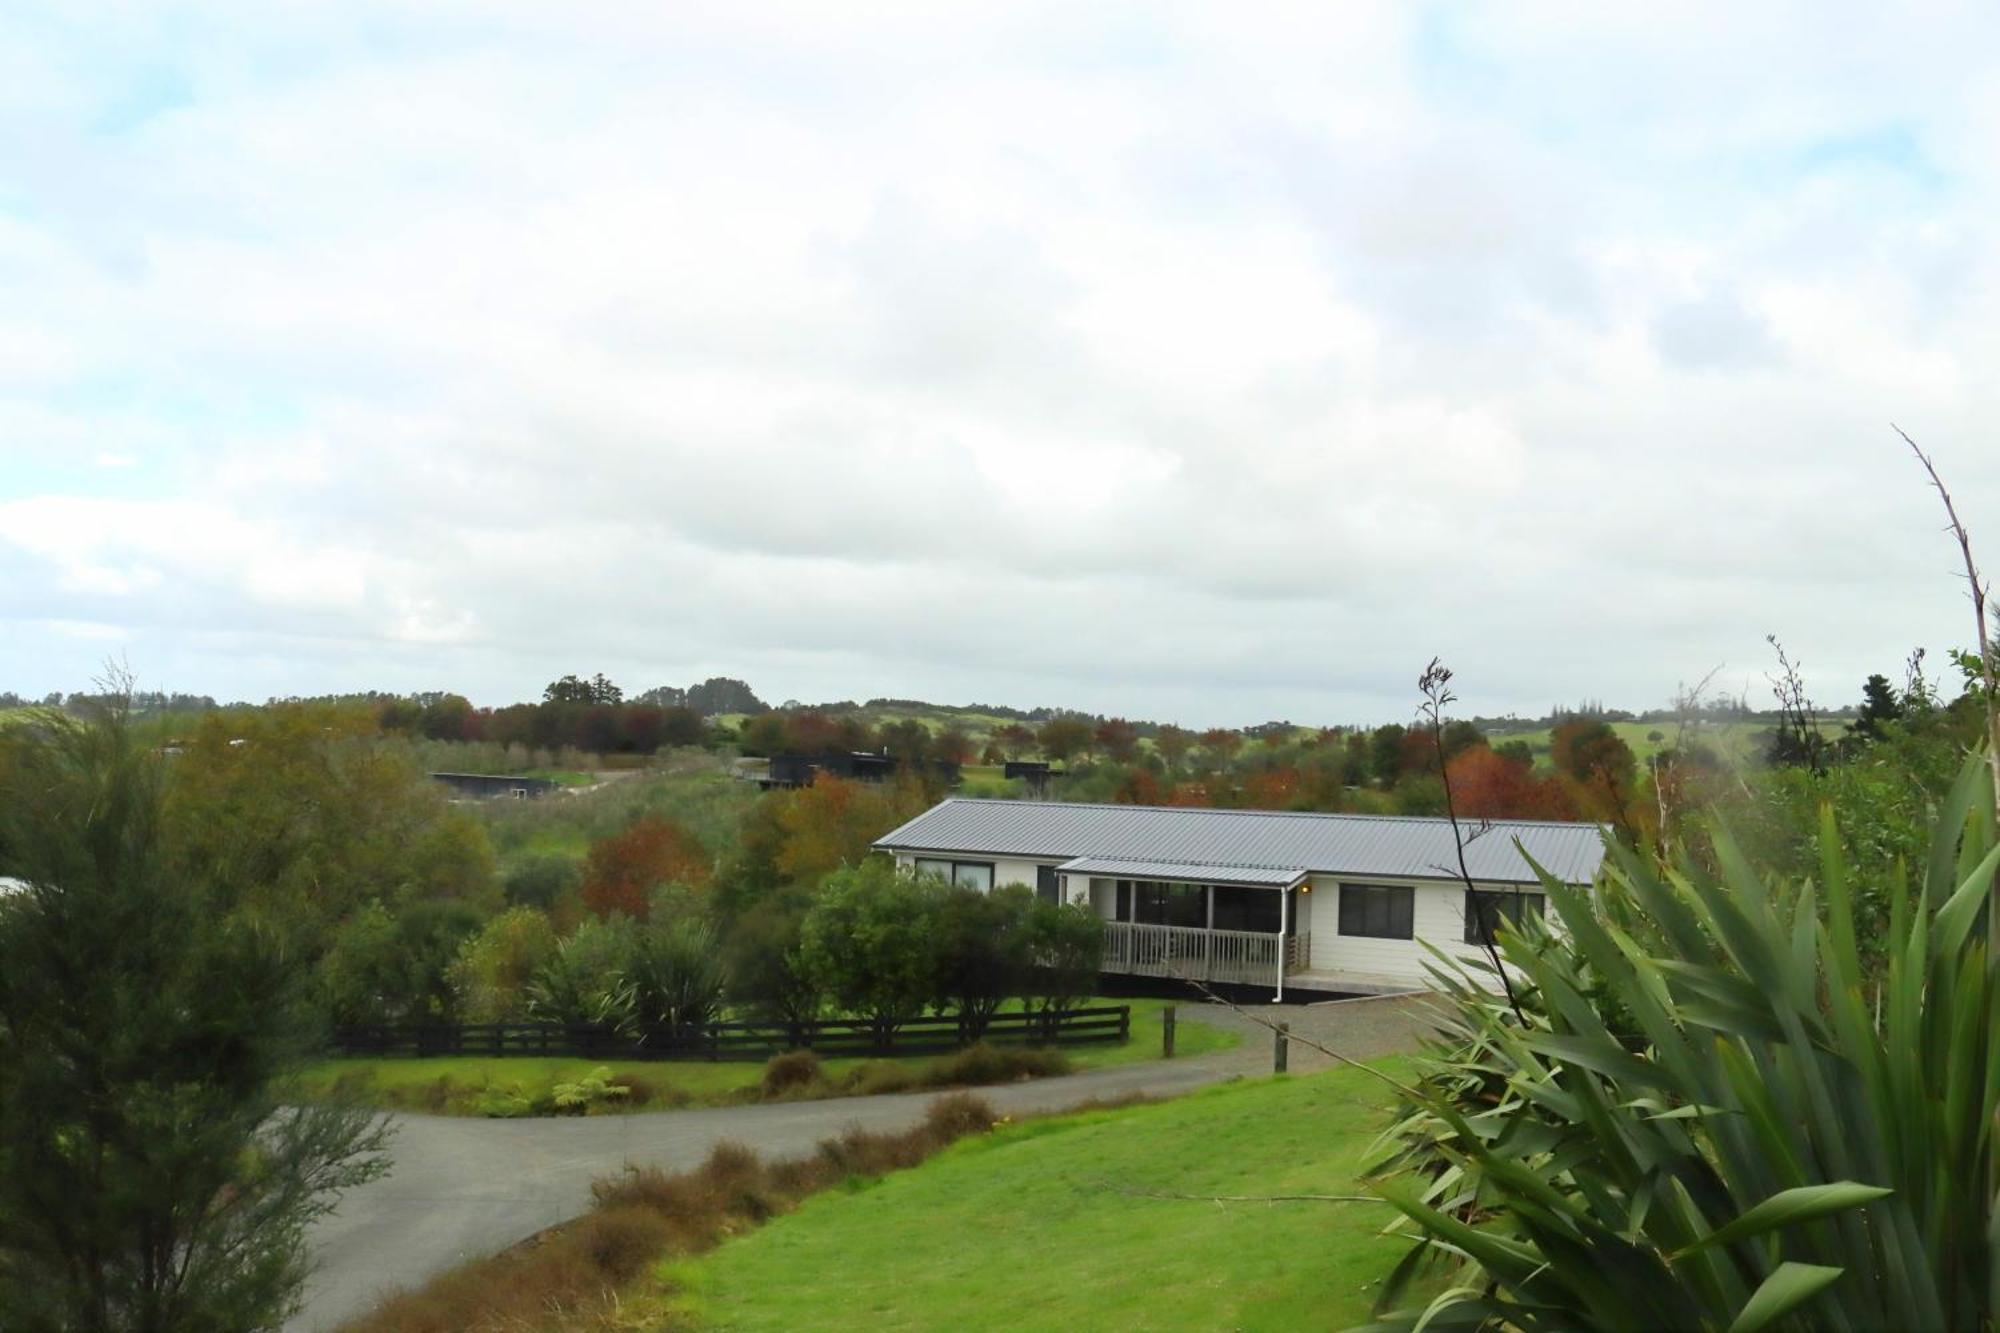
x: 1173, y: 743
x: 1385, y: 754
x: 984, y: 952
x: 1066, y: 944
x: 1063, y: 737
x: 494, y: 967
x: 1879, y: 704
x: 149, y: 1179
x: 871, y: 941
x: 767, y: 971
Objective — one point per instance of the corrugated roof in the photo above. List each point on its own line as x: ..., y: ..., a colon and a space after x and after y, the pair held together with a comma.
x: 1111, y: 867
x: 1399, y: 847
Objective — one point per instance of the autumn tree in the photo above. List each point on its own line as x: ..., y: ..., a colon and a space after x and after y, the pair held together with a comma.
x: 622, y: 871
x: 1220, y: 744
x: 1173, y: 743
x: 1600, y: 767
x: 1117, y: 740
x: 835, y: 821
x: 1487, y: 784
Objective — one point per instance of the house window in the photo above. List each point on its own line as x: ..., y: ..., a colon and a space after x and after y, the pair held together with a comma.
x: 1046, y: 887
x: 1258, y: 910
x: 1380, y: 911
x: 965, y: 874
x: 1485, y: 911
x: 1153, y: 904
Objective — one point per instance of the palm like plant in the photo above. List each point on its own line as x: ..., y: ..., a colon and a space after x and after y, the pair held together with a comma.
x: 1709, y: 1115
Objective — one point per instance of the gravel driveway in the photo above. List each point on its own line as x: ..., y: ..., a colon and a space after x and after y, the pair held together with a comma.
x: 461, y: 1188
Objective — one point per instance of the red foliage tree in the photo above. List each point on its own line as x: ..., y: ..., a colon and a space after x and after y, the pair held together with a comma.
x: 621, y: 871
x: 1485, y: 785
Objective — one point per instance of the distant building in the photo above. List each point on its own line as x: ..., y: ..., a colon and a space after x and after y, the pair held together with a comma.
x: 799, y: 770
x: 494, y: 786
x: 1035, y: 772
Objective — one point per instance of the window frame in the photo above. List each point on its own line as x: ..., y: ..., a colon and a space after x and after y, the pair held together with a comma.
x: 927, y: 865
x: 1509, y: 905
x: 1403, y: 894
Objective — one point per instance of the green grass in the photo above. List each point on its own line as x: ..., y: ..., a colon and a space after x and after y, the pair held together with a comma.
x: 454, y: 1085
x: 1736, y: 742
x: 1048, y: 1225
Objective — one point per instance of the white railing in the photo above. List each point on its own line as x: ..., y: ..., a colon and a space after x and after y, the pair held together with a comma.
x: 1193, y: 954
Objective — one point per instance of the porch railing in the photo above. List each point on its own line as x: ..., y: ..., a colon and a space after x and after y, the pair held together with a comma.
x: 1190, y: 953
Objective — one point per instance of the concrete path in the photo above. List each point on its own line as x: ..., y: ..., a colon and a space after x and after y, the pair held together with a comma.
x: 461, y: 1188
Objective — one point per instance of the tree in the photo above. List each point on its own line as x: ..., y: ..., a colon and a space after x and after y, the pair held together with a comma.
x: 1117, y: 740
x: 871, y: 941
x: 984, y: 951
x: 1879, y: 704
x: 620, y: 872
x: 494, y: 967
x: 573, y: 690
x: 835, y: 822
x: 149, y: 1177
x: 721, y: 694
x: 1173, y: 743
x: 1492, y: 784
x: 1600, y: 767
x: 1066, y: 942
x: 1220, y: 744
x: 767, y: 972
x: 1385, y: 754
x: 1063, y: 737
x: 1014, y: 740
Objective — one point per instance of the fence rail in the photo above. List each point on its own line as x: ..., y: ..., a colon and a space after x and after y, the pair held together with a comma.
x: 1189, y: 953
x: 747, y: 1040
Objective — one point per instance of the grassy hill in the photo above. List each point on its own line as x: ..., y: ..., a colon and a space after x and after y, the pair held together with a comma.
x: 1062, y: 1224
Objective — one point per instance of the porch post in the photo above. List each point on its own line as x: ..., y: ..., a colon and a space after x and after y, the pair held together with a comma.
x: 1284, y: 919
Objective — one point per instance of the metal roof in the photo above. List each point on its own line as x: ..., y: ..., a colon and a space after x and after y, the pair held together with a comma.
x: 1392, y: 846
x: 1111, y: 867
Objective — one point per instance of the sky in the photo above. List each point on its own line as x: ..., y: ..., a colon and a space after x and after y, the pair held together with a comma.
x: 1207, y: 362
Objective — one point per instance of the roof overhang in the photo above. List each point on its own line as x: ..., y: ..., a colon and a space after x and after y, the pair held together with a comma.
x: 1187, y: 872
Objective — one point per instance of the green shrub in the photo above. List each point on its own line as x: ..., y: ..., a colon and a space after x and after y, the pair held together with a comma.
x: 878, y: 1077
x: 503, y: 1103
x: 1707, y: 1113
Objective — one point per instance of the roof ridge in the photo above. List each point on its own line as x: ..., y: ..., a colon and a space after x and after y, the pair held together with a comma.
x: 1270, y: 814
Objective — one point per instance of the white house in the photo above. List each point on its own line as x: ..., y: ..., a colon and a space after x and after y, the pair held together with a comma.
x: 1324, y: 902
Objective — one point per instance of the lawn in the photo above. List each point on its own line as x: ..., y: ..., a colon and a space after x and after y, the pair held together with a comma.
x: 1049, y: 1224
x: 455, y: 1085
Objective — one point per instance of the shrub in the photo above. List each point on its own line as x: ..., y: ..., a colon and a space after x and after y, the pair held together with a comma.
x: 677, y: 976
x: 791, y: 1071
x: 503, y: 1103
x: 871, y: 940
x: 878, y: 1077
x: 959, y: 1115
x: 767, y: 973
x: 1707, y: 1113
x: 585, y: 980
x: 984, y: 951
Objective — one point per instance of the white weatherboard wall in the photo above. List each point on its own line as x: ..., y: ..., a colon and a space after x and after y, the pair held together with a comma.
x: 1437, y: 914
x: 1005, y: 871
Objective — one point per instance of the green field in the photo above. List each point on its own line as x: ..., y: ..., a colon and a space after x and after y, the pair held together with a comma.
x: 1056, y: 1224
x: 1736, y: 742
x: 455, y: 1085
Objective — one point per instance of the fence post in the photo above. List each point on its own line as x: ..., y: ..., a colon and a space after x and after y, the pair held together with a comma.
x: 1279, y: 1048
x: 1167, y: 1033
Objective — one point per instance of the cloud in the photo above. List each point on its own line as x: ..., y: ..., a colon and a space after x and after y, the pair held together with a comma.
x: 1146, y: 360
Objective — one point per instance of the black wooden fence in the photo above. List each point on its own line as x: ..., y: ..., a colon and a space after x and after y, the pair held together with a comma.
x: 732, y: 1040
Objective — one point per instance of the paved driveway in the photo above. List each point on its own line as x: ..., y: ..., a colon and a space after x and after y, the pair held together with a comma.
x: 462, y: 1187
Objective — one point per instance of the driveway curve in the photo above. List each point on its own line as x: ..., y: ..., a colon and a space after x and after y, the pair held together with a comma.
x: 461, y: 1188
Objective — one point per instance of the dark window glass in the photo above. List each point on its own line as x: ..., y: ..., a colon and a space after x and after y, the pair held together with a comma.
x: 1486, y: 911
x: 1381, y: 911
x: 966, y: 874
x: 1124, y: 900
x: 1248, y: 909
x: 1169, y: 904
x: 1047, y: 887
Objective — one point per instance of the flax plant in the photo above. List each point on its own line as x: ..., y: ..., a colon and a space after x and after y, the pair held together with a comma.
x: 1706, y: 1114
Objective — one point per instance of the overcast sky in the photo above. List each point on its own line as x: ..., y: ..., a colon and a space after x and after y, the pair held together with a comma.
x: 1211, y: 362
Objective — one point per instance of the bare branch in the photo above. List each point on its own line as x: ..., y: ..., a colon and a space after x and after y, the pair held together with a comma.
x: 1989, y: 669
x: 1435, y: 685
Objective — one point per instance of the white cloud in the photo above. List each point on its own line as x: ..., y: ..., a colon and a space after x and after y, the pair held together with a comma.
x: 1156, y: 360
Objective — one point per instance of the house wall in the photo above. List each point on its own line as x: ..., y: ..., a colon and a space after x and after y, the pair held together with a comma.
x: 1437, y: 914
